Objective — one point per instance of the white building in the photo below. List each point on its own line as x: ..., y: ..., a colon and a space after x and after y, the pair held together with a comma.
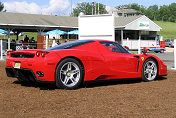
x: 125, y: 30
x: 125, y: 11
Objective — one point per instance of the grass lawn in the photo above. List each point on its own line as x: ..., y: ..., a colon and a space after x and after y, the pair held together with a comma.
x: 168, y: 29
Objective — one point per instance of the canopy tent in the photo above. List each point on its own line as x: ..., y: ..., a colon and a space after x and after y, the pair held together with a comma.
x: 3, y: 31
x: 73, y: 32
x: 56, y: 32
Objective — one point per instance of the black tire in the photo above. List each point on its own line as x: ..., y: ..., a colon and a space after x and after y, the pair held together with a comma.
x: 65, y: 77
x: 149, y: 71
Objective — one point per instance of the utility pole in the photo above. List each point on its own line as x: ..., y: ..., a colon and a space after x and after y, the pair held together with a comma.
x: 71, y: 8
x: 98, y: 7
x: 92, y: 5
x: 95, y: 7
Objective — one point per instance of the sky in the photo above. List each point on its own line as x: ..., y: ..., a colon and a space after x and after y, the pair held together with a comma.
x: 63, y: 7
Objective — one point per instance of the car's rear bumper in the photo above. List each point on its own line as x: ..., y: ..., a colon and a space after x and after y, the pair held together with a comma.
x: 23, y: 74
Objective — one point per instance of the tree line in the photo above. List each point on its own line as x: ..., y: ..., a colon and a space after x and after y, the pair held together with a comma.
x: 155, y: 12
x: 89, y: 8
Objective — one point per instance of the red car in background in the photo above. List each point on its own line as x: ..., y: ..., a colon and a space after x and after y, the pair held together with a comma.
x: 71, y: 63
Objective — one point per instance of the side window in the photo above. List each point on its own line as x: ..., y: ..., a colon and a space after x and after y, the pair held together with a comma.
x: 114, y: 47
x: 111, y: 46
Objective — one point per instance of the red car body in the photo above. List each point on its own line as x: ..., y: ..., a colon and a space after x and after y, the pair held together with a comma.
x: 98, y: 62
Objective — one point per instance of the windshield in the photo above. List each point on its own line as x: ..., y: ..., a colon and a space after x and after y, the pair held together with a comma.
x: 69, y: 45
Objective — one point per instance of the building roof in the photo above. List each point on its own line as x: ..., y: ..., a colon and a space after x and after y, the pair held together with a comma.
x: 15, y: 20
x: 139, y: 22
x: 126, y: 11
x: 35, y: 22
x: 122, y: 21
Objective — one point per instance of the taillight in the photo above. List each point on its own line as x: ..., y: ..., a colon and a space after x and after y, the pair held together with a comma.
x: 38, y: 53
x: 42, y: 53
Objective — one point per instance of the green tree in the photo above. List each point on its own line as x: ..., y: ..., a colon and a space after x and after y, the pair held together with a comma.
x: 172, y: 9
x: 164, y: 13
x: 1, y: 6
x: 86, y: 8
x: 152, y: 12
x: 134, y: 6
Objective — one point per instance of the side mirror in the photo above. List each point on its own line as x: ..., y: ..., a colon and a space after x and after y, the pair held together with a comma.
x: 126, y: 47
x: 145, y: 50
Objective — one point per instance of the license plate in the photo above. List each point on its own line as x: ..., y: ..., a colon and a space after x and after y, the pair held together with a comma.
x: 17, y: 65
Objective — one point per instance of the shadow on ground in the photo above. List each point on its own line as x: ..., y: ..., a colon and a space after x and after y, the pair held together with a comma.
x: 87, y: 84
x: 42, y: 86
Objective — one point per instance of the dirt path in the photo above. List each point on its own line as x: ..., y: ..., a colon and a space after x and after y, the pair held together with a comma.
x: 103, y: 99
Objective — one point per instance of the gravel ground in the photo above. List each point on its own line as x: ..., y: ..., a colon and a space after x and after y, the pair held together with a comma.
x: 102, y: 99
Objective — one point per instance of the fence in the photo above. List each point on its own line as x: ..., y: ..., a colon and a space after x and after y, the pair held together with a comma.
x: 133, y: 44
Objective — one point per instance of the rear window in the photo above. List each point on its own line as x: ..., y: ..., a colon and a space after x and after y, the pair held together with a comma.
x: 69, y: 45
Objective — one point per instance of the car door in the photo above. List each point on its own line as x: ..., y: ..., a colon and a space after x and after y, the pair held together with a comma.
x: 122, y: 62
x: 119, y: 59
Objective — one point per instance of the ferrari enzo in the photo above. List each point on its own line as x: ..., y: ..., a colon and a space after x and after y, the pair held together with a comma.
x: 68, y: 65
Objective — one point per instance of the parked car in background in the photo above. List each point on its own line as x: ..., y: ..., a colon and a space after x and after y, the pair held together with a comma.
x: 169, y: 42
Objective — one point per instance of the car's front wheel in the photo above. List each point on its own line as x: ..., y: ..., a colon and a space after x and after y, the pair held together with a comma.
x: 69, y: 74
x: 149, y: 70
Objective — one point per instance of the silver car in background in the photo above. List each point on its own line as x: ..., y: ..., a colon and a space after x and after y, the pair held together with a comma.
x: 169, y: 42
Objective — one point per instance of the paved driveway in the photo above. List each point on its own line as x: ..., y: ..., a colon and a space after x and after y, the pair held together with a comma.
x: 168, y: 58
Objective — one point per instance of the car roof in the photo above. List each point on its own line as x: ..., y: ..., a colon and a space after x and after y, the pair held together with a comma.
x: 98, y: 40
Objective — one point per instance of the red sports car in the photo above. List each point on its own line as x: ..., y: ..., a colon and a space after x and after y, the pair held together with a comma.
x: 71, y: 63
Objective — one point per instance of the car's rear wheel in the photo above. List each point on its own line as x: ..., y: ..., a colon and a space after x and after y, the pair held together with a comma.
x: 69, y: 74
x: 149, y: 70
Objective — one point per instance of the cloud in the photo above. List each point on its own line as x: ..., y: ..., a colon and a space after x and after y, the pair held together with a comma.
x: 22, y: 7
x: 54, y: 7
